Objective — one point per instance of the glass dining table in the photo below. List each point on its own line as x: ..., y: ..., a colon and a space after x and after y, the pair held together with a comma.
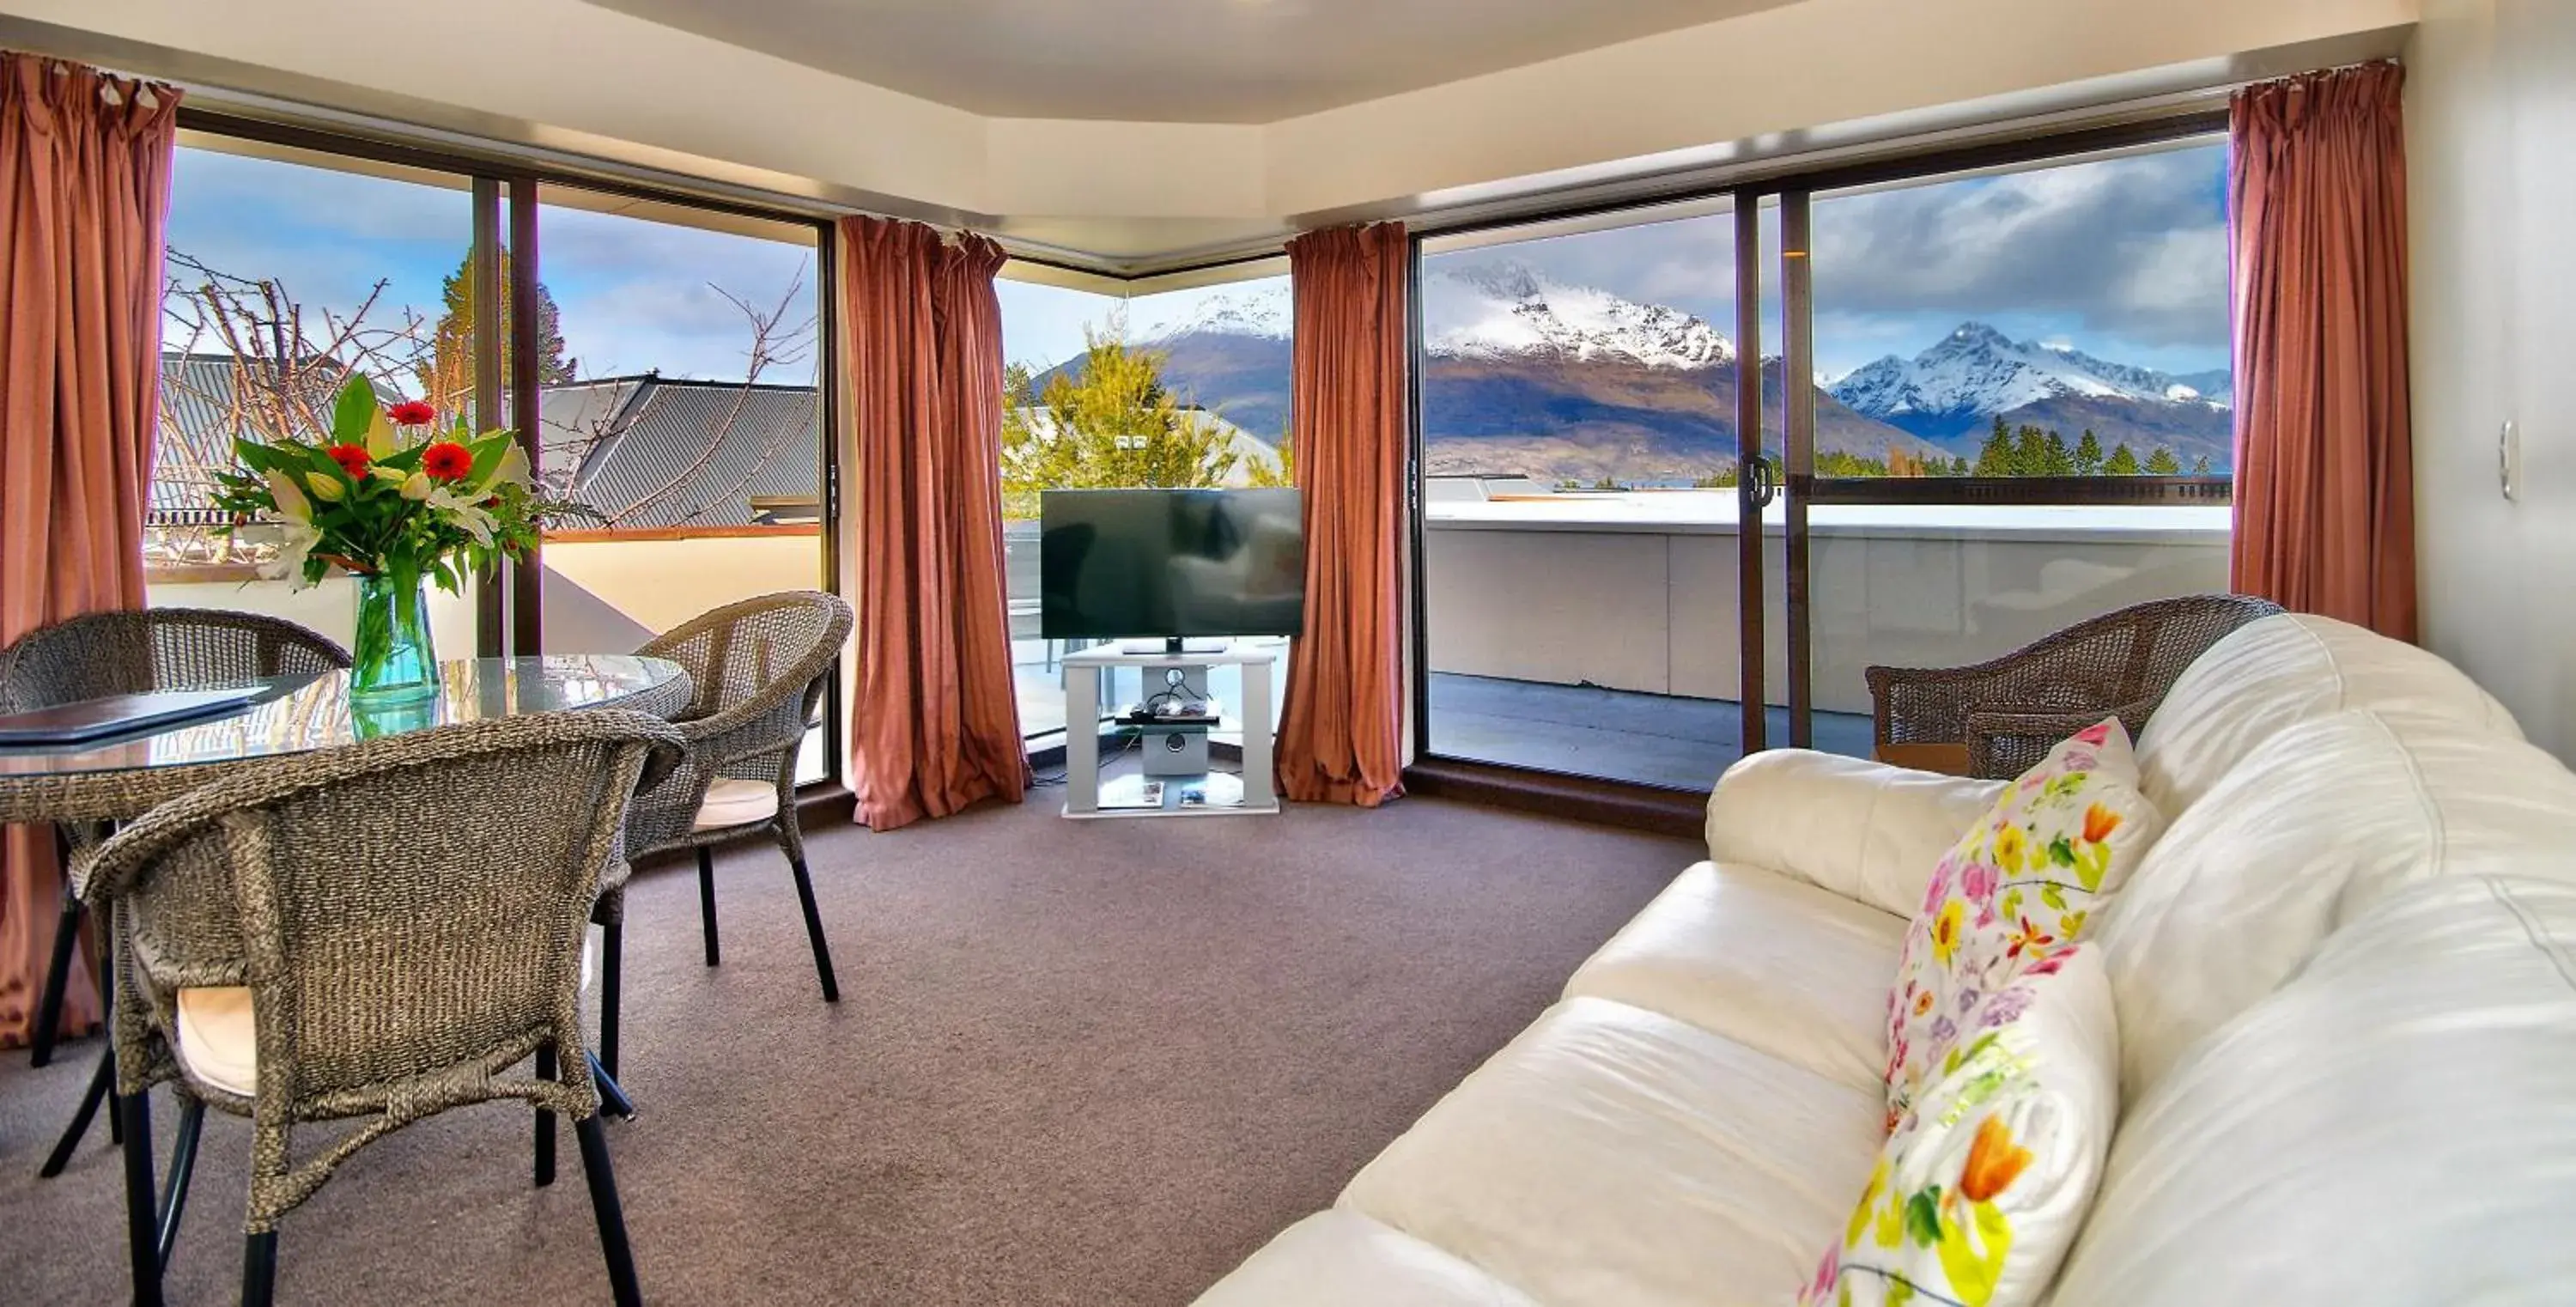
x: 122, y: 778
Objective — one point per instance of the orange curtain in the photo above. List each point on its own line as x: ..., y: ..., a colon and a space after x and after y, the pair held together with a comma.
x: 84, y: 189
x: 1341, y: 731
x: 2325, y: 492
x: 934, y: 725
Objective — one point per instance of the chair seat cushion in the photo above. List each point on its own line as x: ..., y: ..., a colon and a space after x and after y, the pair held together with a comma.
x: 1770, y: 962
x: 219, y: 1037
x: 732, y: 802
x: 1614, y: 1156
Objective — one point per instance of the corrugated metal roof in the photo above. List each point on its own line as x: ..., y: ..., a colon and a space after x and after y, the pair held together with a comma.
x: 660, y: 453
x: 643, y: 443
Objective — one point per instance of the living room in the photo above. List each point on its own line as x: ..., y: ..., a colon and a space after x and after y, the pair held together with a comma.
x: 1702, y: 651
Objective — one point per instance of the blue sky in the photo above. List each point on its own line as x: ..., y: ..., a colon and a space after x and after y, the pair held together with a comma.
x: 634, y: 294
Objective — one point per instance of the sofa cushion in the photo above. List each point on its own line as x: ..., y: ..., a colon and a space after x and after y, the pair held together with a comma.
x: 2017, y: 887
x: 2391, y: 1128
x: 1862, y: 829
x: 2316, y: 826
x: 1611, y: 1155
x: 1978, y: 1193
x: 1339, y: 1258
x: 2274, y: 673
x: 1767, y: 961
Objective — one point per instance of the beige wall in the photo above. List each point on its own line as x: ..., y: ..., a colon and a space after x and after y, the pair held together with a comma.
x: 2491, y: 161
x: 659, y: 584
x: 329, y: 608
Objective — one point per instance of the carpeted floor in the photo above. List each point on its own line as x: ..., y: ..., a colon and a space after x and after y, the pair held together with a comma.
x: 1087, y: 1063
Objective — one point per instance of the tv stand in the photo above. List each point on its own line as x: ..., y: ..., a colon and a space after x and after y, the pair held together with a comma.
x: 1218, y: 793
x: 1172, y: 646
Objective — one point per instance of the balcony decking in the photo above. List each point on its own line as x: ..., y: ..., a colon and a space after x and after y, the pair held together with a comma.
x: 1651, y: 739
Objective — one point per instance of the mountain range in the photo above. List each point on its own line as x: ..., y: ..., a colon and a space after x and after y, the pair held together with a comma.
x: 1525, y: 374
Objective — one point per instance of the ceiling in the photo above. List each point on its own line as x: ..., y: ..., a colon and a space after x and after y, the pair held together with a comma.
x: 1222, y: 61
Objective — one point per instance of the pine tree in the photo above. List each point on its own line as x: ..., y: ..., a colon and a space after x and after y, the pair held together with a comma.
x: 2058, y: 462
x: 2088, y: 455
x: 1960, y: 467
x: 2162, y: 463
x: 1995, y: 459
x: 2030, y: 452
x: 2122, y: 463
x: 447, y: 381
x: 1114, y: 427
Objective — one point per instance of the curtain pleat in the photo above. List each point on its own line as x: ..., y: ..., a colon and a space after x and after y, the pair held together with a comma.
x: 85, y: 164
x: 1341, y: 730
x: 2325, y: 494
x: 934, y: 721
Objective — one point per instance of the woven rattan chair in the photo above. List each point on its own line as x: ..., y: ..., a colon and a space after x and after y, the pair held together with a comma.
x: 758, y: 668
x: 129, y: 653
x: 2008, y: 713
x: 379, y: 932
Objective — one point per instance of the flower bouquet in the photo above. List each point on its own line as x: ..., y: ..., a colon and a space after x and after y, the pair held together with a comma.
x: 397, y: 503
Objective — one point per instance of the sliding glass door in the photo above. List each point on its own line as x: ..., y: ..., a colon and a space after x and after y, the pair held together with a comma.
x: 1688, y: 471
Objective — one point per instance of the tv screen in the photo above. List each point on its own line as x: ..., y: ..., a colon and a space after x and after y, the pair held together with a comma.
x: 1115, y: 564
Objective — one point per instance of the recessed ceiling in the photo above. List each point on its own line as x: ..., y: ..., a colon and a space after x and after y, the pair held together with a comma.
x: 1234, y: 61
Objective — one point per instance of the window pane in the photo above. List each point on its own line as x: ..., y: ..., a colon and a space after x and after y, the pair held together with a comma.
x: 1580, y: 539
x: 1181, y: 388
x: 2069, y: 321
x: 287, y: 271
x: 679, y: 406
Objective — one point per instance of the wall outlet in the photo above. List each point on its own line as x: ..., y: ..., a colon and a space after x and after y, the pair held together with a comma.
x: 2509, y: 459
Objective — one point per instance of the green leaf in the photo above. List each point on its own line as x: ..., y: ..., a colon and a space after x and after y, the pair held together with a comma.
x: 2061, y: 852
x: 1900, y: 1291
x: 1923, y: 1216
x: 2053, y: 895
x: 354, y: 411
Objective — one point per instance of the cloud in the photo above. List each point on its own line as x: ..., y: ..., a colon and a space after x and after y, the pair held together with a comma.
x: 2119, y: 256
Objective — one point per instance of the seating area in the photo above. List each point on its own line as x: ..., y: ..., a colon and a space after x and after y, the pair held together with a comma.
x: 1709, y: 653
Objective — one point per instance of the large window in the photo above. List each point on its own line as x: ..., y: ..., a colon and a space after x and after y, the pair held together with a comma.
x: 1178, y: 388
x: 2011, y: 406
x: 677, y: 350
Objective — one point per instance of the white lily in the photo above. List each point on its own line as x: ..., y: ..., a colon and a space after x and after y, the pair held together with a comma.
x: 295, y: 542
x: 291, y: 503
x: 417, y: 486
x: 325, y: 487
x: 477, y: 522
x: 512, y: 469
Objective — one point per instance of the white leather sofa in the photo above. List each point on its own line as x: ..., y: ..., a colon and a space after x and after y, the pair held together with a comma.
x: 2346, y: 979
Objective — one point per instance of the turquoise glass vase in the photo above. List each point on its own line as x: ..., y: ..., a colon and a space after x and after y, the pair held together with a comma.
x: 394, y: 663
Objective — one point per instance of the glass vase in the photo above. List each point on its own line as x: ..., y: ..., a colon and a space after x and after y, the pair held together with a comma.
x: 395, y: 664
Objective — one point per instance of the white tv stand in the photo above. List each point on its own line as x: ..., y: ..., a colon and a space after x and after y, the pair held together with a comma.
x: 1226, y: 795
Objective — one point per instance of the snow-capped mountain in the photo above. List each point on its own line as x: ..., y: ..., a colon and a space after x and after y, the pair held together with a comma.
x: 1975, y: 372
x: 1263, y: 310
x: 1502, y: 310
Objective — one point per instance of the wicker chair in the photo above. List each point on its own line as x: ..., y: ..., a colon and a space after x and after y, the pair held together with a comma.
x: 758, y: 668
x: 129, y: 653
x: 379, y: 931
x: 2008, y: 713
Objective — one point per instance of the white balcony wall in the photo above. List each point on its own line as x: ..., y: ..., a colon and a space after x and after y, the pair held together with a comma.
x: 330, y: 607
x: 1640, y: 591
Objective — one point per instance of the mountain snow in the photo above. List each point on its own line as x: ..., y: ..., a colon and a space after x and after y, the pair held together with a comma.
x: 1507, y: 310
x: 1977, y: 369
x: 1262, y: 309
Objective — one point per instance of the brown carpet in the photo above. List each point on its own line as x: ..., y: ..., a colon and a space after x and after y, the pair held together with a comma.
x: 1074, y: 1062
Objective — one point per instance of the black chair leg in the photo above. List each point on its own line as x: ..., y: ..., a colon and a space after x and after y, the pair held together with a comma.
x: 142, y: 1235
x: 814, y: 931
x: 183, y: 1168
x: 612, y: 967
x: 707, y: 899
x: 99, y: 1083
x: 545, y: 1122
x: 259, y: 1269
x: 610, y: 1213
x: 58, y: 974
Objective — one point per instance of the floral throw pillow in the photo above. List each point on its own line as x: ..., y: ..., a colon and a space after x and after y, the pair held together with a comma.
x: 2015, y: 890
x: 1978, y: 1195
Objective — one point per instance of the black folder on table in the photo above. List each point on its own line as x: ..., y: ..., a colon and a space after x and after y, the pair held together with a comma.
x: 85, y: 720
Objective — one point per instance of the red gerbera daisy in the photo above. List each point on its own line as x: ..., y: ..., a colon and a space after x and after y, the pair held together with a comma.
x: 447, y: 461
x: 416, y: 413
x: 351, y: 458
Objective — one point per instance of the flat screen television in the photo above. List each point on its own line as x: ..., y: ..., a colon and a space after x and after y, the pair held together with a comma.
x: 1172, y: 564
